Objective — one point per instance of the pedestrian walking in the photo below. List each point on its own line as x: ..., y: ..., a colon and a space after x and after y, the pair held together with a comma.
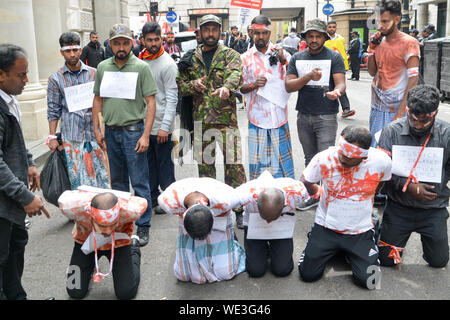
x: 93, y: 53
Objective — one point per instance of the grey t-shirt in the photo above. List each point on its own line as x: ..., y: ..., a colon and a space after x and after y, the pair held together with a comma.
x: 312, y: 99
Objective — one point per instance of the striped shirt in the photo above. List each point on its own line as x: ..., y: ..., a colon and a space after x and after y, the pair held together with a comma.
x: 75, y: 126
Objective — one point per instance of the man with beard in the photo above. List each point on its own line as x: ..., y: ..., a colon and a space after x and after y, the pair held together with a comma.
x: 350, y: 175
x: 394, y: 64
x: 164, y: 71
x: 170, y: 47
x: 93, y: 52
x: 212, y: 79
x: 86, y: 163
x: 318, y: 74
x: 125, y: 95
x: 269, y: 140
x: 416, y: 203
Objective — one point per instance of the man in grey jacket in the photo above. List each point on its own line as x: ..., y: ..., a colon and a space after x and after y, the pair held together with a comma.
x: 292, y: 40
x: 18, y: 175
x: 164, y: 70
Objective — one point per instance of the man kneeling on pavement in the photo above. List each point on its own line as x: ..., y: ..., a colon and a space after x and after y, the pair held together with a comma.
x: 103, y: 227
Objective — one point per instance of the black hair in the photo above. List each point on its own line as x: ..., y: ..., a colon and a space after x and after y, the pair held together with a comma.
x: 69, y: 38
x: 357, y: 135
x: 151, y: 27
x: 9, y: 54
x: 104, y: 201
x: 393, y: 6
x: 262, y: 20
x: 423, y: 99
x: 170, y: 32
x: 92, y: 32
x: 331, y: 22
x: 198, y: 222
x: 233, y: 27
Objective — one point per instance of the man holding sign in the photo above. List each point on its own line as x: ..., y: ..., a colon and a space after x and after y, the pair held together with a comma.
x: 69, y: 99
x: 125, y: 94
x: 350, y: 175
x: 269, y: 206
x: 269, y: 140
x: 318, y: 74
x: 417, y: 199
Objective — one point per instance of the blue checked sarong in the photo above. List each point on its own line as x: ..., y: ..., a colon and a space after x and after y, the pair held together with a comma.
x: 378, y: 120
x: 271, y: 150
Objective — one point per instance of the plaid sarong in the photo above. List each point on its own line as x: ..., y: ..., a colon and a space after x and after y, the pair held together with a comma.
x: 271, y: 150
x: 378, y: 120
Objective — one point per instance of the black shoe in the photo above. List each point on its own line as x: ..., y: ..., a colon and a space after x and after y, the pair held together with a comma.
x: 158, y: 210
x: 142, y: 233
x: 305, y: 205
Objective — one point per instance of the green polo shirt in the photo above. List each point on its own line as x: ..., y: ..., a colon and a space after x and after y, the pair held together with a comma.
x: 123, y: 112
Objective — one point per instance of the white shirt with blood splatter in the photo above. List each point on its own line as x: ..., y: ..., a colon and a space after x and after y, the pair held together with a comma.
x: 347, y: 202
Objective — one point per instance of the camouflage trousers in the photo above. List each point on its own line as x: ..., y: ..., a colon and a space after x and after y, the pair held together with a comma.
x: 229, y: 141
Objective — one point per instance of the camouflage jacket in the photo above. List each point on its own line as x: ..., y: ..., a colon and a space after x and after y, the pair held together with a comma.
x: 225, y: 70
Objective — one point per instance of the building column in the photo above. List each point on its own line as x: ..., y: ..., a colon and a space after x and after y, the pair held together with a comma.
x: 447, y: 24
x: 109, y: 13
x: 422, y: 16
x: 17, y: 27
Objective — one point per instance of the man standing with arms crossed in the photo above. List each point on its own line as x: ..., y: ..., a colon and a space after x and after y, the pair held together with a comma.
x: 123, y: 87
x: 18, y: 175
x: 164, y: 70
x: 212, y: 79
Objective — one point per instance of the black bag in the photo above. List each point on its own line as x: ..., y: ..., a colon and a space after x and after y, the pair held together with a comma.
x: 54, y: 177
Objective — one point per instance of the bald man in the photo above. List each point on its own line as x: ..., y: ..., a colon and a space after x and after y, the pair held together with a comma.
x: 269, y: 222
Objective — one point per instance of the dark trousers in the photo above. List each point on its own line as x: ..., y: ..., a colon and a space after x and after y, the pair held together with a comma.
x: 279, y: 251
x: 126, y: 271
x: 355, y: 66
x: 323, y: 244
x: 160, y: 166
x: 399, y: 222
x: 13, y: 239
x: 345, y: 103
x: 126, y: 165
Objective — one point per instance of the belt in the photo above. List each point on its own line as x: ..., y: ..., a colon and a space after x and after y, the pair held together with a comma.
x: 131, y: 127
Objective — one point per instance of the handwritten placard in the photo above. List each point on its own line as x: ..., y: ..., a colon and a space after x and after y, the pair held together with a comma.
x: 282, y: 228
x: 121, y: 85
x: 429, y: 167
x: 306, y: 66
x: 79, y: 97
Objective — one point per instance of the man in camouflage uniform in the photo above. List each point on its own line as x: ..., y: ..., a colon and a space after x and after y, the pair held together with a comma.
x: 212, y: 80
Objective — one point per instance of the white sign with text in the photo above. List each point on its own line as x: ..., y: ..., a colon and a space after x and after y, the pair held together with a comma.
x: 282, y: 228
x: 306, y: 66
x: 121, y: 85
x: 79, y: 97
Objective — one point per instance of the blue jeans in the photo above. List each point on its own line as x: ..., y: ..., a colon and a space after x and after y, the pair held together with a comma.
x: 160, y: 165
x: 316, y: 133
x: 126, y: 165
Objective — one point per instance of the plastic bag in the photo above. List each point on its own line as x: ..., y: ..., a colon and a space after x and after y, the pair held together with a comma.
x: 54, y: 177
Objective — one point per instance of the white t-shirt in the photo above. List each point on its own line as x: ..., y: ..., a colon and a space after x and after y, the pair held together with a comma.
x: 347, y: 202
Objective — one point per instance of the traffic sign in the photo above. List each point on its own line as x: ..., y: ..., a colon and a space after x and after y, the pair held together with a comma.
x: 328, y: 9
x: 171, y: 17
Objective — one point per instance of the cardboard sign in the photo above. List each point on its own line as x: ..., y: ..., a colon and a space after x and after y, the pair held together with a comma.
x: 282, y: 228
x: 429, y: 167
x: 306, y: 66
x: 347, y: 214
x: 274, y: 91
x: 79, y: 97
x: 121, y: 85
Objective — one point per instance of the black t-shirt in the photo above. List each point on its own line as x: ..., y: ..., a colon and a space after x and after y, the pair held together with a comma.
x: 207, y: 58
x: 312, y: 99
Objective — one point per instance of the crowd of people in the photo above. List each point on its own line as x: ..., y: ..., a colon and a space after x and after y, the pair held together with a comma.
x: 125, y: 138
